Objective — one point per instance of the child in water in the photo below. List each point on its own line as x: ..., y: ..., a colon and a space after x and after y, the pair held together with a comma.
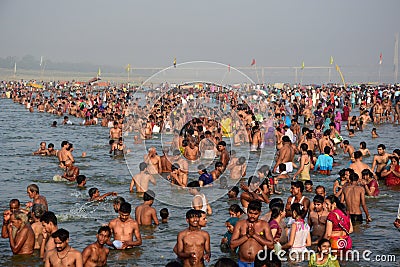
x: 323, y: 257
x: 374, y: 133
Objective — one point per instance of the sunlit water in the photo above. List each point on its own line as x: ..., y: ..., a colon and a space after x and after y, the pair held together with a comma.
x: 23, y: 131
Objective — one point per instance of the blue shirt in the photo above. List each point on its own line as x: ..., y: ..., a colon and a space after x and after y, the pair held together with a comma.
x: 324, y: 162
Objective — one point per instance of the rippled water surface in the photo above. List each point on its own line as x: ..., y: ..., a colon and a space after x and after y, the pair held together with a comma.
x: 21, y: 133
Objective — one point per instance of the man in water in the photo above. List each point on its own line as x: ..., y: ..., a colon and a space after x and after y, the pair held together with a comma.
x: 117, y: 203
x: 95, y: 255
x: 358, y: 166
x: 42, y: 150
x: 286, y: 155
x: 145, y: 214
x: 142, y: 179
x: 354, y: 197
x: 23, y: 241
x: 64, y: 255
x: 380, y: 160
x: 193, y: 244
x: 153, y: 161
x: 296, y: 189
x: 224, y: 155
x: 115, y: 132
x: 49, y: 223
x: 124, y: 228
x: 33, y: 193
x: 251, y: 235
x: 51, y: 151
x: 199, y: 201
x: 317, y: 219
x: 71, y: 171
x: 64, y: 154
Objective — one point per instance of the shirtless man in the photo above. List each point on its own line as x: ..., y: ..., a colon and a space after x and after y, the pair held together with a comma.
x: 317, y: 219
x: 251, y: 235
x: 37, y: 213
x: 380, y: 161
x: 124, y: 228
x: 191, y: 151
x: 354, y: 197
x: 142, y: 179
x: 238, y: 170
x: 166, y: 161
x: 63, y: 255
x: 51, y: 151
x: 224, y: 155
x: 286, y: 155
x: 49, y: 223
x: 153, y: 161
x: 71, y: 171
x: 95, y: 255
x: 347, y: 148
x: 358, y: 166
x: 64, y: 154
x: 183, y: 166
x: 33, y: 193
x: 42, y: 151
x: 325, y: 141
x: 256, y: 139
x: 296, y: 189
x: 193, y: 244
x: 145, y: 214
x: 115, y: 132
x: 23, y: 240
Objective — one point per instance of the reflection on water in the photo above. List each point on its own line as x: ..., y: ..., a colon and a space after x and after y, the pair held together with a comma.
x: 23, y: 131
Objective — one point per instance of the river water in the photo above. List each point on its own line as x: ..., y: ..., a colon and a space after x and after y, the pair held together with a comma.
x: 23, y: 131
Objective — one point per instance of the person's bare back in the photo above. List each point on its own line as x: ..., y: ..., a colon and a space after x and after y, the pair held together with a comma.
x: 145, y: 215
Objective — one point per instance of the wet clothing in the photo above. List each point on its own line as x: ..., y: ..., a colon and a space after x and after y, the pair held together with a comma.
x: 324, y: 163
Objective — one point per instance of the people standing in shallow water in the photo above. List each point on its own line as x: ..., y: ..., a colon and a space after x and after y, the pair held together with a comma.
x: 23, y: 240
x: 145, y: 214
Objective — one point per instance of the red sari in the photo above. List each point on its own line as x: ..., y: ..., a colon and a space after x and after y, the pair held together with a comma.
x: 391, y: 179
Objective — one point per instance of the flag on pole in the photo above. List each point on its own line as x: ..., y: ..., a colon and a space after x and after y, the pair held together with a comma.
x: 128, y: 68
x: 41, y: 61
x: 253, y: 62
x: 15, y: 68
x: 331, y: 60
x: 302, y: 65
x: 340, y: 73
x: 99, y: 72
x: 174, y: 62
x: 380, y: 59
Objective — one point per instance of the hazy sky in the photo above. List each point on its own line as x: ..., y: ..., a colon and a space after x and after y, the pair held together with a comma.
x: 151, y: 33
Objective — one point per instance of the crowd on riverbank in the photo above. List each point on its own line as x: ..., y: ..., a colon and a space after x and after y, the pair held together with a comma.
x: 256, y: 120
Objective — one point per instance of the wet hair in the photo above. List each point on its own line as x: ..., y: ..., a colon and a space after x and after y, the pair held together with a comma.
x: 192, y: 213
x: 299, y: 209
x: 51, y: 145
x: 21, y: 216
x: 218, y: 164
x: 202, y: 168
x: 327, y: 150
x: 48, y: 217
x: 339, y: 205
x: 367, y: 172
x: 38, y: 210
x: 318, y: 199
x: 148, y: 195
x: 236, y: 208
x: 174, y: 264
x: 253, y: 179
x: 193, y: 184
x: 357, y: 154
x: 275, y: 201
x: 382, y: 146
x: 394, y: 158
x: 264, y: 169
x: 303, y: 147
x: 142, y: 166
x: 298, y: 184
x: 119, y: 200
x: 222, y: 143
x: 61, y: 234
x: 254, y: 205
x: 242, y: 160
x: 33, y: 188
x: 104, y: 228
x: 396, y: 151
x: 63, y: 143
x: 354, y: 177
x: 320, y: 186
x: 282, y: 167
x: 226, y: 262
x: 125, y: 207
x: 164, y: 213
x: 14, y: 200
x: 286, y: 139
x: 308, y: 182
x: 276, y: 210
x: 80, y: 178
x: 322, y: 241
x: 342, y: 173
x: 363, y: 145
x: 93, y: 191
x: 346, y: 142
x: 235, y: 189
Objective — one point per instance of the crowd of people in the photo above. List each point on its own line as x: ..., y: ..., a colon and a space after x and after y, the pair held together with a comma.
x: 206, y: 125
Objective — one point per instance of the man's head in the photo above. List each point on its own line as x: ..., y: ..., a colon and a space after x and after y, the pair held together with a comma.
x: 318, y: 202
x: 32, y: 190
x: 327, y: 150
x: 164, y: 213
x: 19, y: 219
x: 14, y: 205
x: 286, y: 139
x: 49, y: 221
x: 94, y: 192
x: 296, y: 187
x: 381, y: 149
x: 103, y: 235
x: 61, y: 237
x: 142, y: 166
x: 124, y: 211
x: 253, y: 210
x: 192, y: 217
x: 149, y: 195
x: 221, y: 146
x: 38, y: 210
x: 320, y: 190
x: 233, y: 192
x: 81, y: 180
x: 358, y: 155
x: 308, y: 185
x: 117, y: 203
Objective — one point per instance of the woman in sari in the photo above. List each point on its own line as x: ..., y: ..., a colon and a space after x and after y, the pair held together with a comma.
x: 338, y: 224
